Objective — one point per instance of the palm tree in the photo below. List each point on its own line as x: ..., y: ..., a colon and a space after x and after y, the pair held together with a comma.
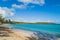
x: 2, y: 20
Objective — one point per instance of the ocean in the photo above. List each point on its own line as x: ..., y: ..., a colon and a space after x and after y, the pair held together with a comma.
x: 46, y: 28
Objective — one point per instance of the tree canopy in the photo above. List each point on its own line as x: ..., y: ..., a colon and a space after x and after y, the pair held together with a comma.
x: 3, y: 20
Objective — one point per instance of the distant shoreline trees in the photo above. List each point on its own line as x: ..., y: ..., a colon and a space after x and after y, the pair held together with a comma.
x: 5, y: 21
x: 8, y: 21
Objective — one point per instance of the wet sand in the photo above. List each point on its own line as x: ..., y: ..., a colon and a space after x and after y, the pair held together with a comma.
x: 25, y: 35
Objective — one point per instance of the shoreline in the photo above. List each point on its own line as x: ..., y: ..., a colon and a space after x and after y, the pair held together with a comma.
x: 36, y: 35
x: 24, y: 34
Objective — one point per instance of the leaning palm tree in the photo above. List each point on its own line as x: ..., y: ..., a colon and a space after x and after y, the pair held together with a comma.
x: 2, y: 20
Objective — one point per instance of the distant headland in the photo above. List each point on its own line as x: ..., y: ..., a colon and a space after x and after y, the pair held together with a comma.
x: 34, y: 23
x: 8, y: 21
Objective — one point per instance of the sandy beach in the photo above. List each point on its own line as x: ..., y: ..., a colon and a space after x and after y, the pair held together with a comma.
x: 18, y: 34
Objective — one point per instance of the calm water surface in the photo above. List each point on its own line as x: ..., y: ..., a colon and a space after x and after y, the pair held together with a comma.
x: 48, y: 28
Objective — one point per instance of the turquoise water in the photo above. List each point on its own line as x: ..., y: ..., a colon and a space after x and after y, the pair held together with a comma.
x: 47, y: 28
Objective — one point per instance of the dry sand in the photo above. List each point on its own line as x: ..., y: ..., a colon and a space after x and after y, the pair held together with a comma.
x: 18, y: 35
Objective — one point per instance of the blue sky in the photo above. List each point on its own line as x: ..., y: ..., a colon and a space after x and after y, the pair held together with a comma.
x: 31, y: 10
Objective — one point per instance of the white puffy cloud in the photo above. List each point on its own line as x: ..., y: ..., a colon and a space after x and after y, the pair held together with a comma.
x: 19, y: 6
x: 22, y: 6
x: 39, y: 2
x: 27, y: 2
x: 6, y: 12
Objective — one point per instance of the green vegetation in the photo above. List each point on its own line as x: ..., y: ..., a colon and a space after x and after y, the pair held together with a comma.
x: 8, y: 21
x: 45, y: 23
x: 34, y: 23
x: 5, y: 21
x: 19, y: 22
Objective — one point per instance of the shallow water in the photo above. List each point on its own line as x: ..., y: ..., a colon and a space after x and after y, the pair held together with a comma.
x: 47, y: 28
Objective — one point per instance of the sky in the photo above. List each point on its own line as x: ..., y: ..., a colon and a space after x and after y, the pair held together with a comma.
x: 31, y: 10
